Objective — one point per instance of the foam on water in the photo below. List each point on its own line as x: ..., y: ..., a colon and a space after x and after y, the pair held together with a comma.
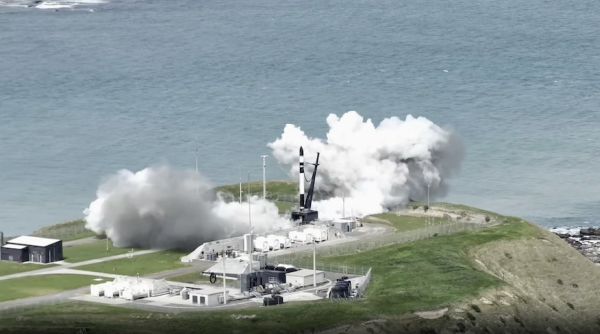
x: 57, y: 4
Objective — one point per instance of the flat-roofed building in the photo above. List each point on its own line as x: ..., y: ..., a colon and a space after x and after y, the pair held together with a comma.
x: 37, y: 249
x: 17, y: 253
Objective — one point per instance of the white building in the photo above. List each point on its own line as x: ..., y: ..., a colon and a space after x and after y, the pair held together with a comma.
x: 234, y: 267
x: 217, y: 246
x: 206, y: 297
x: 304, y: 277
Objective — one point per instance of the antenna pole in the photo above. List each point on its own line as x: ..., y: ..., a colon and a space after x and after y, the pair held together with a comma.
x: 249, y: 206
x: 224, y: 281
x: 240, y: 188
x: 344, y: 205
x: 314, y: 262
x: 196, y: 157
x: 264, y: 158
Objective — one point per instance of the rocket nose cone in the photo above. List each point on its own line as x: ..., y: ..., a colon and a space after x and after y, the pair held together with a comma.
x: 301, y: 151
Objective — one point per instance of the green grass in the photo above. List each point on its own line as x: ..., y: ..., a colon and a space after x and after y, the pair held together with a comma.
x: 274, y: 189
x: 142, y: 265
x: 431, y: 272
x: 33, y: 286
x: 9, y: 267
x: 465, y: 208
x: 93, y: 250
x: 195, y: 278
x: 282, y: 193
x: 423, y: 275
x: 400, y: 222
x: 65, y: 231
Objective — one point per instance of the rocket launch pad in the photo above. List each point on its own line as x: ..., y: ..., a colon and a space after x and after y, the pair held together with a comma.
x: 305, y: 214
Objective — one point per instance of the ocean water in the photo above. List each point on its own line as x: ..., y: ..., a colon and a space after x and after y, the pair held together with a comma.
x: 90, y: 88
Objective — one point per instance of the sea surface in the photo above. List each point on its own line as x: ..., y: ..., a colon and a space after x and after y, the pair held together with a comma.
x: 90, y: 87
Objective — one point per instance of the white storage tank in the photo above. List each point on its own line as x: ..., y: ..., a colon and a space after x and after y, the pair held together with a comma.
x: 261, y: 244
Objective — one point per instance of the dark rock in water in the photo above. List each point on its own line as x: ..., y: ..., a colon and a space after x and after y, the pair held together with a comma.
x: 590, y: 231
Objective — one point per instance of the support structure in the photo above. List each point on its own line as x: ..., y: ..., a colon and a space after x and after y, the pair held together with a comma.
x: 305, y: 214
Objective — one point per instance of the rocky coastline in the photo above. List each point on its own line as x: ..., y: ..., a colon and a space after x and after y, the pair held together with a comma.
x: 585, y: 240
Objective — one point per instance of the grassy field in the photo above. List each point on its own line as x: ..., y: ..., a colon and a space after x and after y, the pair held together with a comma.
x: 9, y: 267
x: 274, y: 189
x: 423, y: 275
x: 65, y: 231
x: 93, y: 250
x: 142, y: 265
x: 431, y: 272
x: 400, y: 222
x: 41, y: 285
x: 282, y: 193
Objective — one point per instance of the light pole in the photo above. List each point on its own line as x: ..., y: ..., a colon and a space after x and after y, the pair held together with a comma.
x: 264, y: 160
x: 249, y: 206
x: 314, y: 262
x: 428, y: 185
x: 196, y: 158
x: 224, y: 281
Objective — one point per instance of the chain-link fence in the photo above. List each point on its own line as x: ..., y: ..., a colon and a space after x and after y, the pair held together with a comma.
x: 303, y: 259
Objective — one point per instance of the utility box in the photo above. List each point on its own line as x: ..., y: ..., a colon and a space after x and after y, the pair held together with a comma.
x: 304, y: 277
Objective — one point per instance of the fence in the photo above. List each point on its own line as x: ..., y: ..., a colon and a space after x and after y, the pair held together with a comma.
x: 303, y: 259
x: 365, y: 284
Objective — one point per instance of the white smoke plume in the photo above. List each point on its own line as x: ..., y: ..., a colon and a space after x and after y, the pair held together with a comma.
x: 376, y: 168
x: 162, y: 207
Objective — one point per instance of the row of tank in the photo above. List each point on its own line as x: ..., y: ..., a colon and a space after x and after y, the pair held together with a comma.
x: 305, y: 236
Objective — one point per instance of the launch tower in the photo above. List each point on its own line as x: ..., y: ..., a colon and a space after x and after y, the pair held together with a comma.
x: 305, y: 214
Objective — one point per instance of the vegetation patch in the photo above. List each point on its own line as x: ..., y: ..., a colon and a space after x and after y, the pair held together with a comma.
x: 65, y: 231
x: 41, y: 285
x: 282, y: 193
x: 422, y: 275
x: 9, y: 267
x: 139, y: 265
x: 401, y: 223
x: 92, y: 250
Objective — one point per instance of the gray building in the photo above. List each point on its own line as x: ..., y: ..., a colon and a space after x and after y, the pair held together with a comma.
x: 34, y: 249
x: 17, y: 253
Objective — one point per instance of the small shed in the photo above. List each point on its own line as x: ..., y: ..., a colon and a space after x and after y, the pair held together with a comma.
x: 234, y: 267
x: 42, y: 250
x: 304, y: 277
x: 207, y: 297
x: 17, y: 253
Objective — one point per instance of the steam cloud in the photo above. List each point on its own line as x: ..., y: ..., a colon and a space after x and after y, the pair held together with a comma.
x: 375, y: 168
x: 162, y: 207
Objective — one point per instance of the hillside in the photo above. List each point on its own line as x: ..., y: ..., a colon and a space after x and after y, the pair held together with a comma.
x: 508, y: 276
x: 543, y: 286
